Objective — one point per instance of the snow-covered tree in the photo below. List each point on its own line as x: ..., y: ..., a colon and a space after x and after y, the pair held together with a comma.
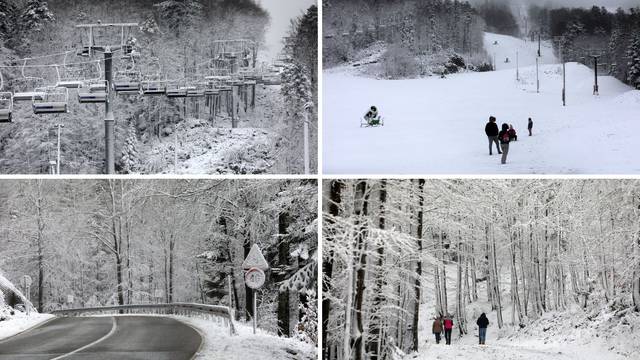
x: 633, y: 58
x: 34, y: 15
x: 130, y: 159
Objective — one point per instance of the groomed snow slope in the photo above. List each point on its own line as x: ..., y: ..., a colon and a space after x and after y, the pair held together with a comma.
x: 436, y: 126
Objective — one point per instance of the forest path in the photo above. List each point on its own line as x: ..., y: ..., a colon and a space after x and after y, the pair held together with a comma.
x: 118, y: 337
x: 490, y: 351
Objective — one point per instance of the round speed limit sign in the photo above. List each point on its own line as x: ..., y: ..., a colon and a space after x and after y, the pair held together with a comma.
x: 254, y: 278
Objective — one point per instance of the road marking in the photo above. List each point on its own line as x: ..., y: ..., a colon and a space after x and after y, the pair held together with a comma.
x: 113, y: 330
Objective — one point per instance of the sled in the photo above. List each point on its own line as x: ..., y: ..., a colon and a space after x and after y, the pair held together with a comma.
x: 379, y: 121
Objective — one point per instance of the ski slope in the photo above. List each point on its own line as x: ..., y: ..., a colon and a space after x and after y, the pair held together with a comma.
x: 436, y: 126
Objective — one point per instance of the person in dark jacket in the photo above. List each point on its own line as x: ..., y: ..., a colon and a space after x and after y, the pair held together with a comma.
x: 448, y: 328
x: 437, y: 329
x: 530, y: 126
x: 512, y: 133
x: 491, y: 129
x: 504, y: 142
x: 482, y: 323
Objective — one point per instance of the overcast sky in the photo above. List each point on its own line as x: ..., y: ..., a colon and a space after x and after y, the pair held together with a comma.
x: 281, y: 12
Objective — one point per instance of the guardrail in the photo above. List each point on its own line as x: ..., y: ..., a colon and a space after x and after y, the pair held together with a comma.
x: 185, y: 309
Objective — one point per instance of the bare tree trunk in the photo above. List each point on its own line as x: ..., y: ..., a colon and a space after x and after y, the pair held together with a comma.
x: 327, y: 270
x: 375, y: 325
x: 418, y: 281
x: 361, y: 253
x: 40, y: 242
x: 283, y: 262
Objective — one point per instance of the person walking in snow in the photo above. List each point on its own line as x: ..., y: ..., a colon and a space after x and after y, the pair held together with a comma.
x: 491, y: 129
x: 437, y: 329
x: 482, y: 323
x: 530, y: 126
x: 512, y: 133
x: 448, y: 327
x: 504, y: 142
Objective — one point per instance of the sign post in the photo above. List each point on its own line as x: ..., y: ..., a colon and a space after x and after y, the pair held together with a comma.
x: 255, y: 265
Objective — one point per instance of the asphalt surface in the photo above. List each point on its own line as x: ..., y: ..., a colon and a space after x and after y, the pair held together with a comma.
x: 96, y: 338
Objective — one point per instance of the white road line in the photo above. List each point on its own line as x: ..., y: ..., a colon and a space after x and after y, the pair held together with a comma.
x: 113, y: 330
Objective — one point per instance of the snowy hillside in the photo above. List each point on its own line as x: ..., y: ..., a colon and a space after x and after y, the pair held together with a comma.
x: 436, y: 126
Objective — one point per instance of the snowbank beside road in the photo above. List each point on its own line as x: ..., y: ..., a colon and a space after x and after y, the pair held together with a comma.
x: 20, y: 322
x: 261, y: 346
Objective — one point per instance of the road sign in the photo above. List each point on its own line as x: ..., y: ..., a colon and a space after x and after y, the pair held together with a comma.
x: 254, y: 278
x: 255, y: 259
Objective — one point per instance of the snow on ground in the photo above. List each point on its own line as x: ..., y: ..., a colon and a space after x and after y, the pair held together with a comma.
x: 203, y: 149
x: 262, y: 346
x: 555, y: 336
x: 436, y: 126
x: 20, y: 322
x: 14, y: 321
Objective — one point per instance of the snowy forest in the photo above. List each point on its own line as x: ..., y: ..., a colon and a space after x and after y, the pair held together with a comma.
x: 581, y: 33
x: 554, y: 264
x: 193, y: 91
x: 414, y: 37
x: 88, y: 243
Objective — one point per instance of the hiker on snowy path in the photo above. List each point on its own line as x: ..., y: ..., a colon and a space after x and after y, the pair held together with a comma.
x: 448, y: 327
x: 530, y: 126
x: 482, y: 323
x: 437, y: 329
x: 504, y: 142
x: 491, y: 129
x: 512, y: 133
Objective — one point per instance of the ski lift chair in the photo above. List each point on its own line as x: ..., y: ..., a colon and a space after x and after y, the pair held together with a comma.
x: 95, y: 92
x: 176, y: 91
x: 150, y: 87
x: 195, y: 91
x: 55, y: 101
x: 30, y: 83
x: 37, y: 94
x: 211, y: 89
x: 271, y: 80
x: 6, y: 107
x: 127, y: 82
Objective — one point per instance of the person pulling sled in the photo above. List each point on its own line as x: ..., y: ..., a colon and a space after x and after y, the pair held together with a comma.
x: 372, y: 118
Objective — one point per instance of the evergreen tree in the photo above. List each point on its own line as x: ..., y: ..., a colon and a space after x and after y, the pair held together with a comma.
x: 633, y: 56
x: 7, y: 16
x: 130, y: 160
x: 296, y: 89
x: 34, y: 15
x: 179, y: 14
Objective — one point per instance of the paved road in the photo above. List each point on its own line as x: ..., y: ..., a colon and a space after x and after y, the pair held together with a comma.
x: 104, y: 338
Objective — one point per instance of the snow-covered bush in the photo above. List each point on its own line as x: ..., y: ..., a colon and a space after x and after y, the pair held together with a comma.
x: 398, y: 63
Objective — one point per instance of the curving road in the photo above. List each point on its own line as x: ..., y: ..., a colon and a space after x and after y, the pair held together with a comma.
x: 104, y: 338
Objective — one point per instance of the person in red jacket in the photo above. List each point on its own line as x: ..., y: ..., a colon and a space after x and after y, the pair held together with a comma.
x: 448, y: 327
